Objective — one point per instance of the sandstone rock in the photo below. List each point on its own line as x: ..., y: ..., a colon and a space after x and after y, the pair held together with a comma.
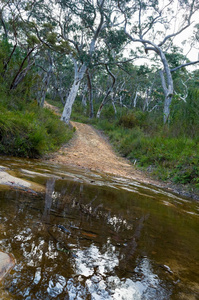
x: 7, y: 262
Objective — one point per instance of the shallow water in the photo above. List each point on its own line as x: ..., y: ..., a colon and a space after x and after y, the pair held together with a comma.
x: 91, y: 236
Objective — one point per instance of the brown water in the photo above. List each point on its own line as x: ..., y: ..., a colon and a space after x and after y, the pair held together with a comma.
x: 95, y: 237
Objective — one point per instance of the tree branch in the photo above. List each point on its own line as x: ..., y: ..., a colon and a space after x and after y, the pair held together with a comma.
x: 183, y: 28
x: 184, y: 65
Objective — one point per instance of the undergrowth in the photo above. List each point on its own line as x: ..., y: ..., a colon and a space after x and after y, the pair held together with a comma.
x: 153, y: 147
x: 27, y: 130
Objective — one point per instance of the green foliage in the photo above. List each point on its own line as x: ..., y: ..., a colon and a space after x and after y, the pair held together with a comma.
x: 108, y: 112
x: 29, y: 131
x: 64, y: 47
x: 115, y: 39
x: 175, y: 58
x: 166, y: 157
x: 32, y: 40
x: 128, y: 120
x: 106, y: 125
x: 25, y: 129
x: 51, y: 37
x: 185, y: 115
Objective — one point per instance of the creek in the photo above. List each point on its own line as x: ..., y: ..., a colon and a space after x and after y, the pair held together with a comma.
x: 92, y: 236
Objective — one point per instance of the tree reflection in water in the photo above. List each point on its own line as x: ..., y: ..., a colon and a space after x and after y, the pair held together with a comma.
x: 93, y: 258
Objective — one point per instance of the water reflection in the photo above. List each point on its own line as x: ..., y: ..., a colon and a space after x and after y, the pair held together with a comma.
x: 95, y: 271
x: 56, y: 286
x: 50, y: 185
x: 79, y: 241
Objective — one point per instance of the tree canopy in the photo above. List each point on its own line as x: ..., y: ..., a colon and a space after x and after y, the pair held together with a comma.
x: 65, y: 47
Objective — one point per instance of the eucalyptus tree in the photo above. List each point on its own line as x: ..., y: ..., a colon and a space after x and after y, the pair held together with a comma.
x: 85, y: 31
x: 82, y: 26
x: 155, y: 24
x: 74, y: 28
x: 8, y: 36
x: 47, y: 74
x: 22, y: 47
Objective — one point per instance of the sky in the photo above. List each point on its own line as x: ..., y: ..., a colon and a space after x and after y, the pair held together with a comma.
x: 183, y: 40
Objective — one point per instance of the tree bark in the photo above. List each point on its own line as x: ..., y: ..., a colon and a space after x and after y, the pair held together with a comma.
x: 90, y: 89
x: 167, y: 104
x: 84, y: 100
x: 135, y: 99
x: 21, y: 73
x: 113, y: 104
x: 79, y: 74
x: 168, y: 93
x: 46, y: 81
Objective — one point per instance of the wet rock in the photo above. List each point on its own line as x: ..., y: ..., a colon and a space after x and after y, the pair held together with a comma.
x: 2, y: 168
x: 7, y: 262
x: 8, y: 179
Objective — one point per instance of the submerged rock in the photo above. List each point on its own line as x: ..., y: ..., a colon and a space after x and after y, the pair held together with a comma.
x: 7, y: 262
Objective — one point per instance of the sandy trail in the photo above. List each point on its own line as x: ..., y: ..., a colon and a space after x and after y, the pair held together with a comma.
x: 89, y: 149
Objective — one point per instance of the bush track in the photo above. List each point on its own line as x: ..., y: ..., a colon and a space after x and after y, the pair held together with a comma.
x: 91, y: 150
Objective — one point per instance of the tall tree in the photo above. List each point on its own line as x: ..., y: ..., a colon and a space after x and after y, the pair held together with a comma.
x: 155, y: 24
x: 82, y: 25
x: 22, y: 46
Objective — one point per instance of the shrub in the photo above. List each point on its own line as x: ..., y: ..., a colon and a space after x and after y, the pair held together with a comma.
x: 29, y: 131
x: 128, y: 121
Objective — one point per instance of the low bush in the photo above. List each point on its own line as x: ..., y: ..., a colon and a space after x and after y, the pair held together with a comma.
x: 128, y: 120
x: 167, y: 158
x: 29, y: 131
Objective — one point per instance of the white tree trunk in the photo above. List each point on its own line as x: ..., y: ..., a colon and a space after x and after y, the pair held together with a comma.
x: 167, y: 87
x: 99, y: 111
x: 167, y: 104
x: 79, y: 74
x: 69, y: 102
x: 80, y: 71
x: 135, y: 99
x: 114, y: 107
x: 84, y: 100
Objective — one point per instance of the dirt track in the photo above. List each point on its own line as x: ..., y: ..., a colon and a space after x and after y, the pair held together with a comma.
x: 89, y: 149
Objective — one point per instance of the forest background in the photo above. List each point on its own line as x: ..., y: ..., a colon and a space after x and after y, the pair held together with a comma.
x: 110, y: 63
